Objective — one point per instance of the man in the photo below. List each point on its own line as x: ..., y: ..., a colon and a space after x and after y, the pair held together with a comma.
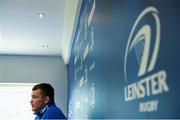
x: 42, y: 102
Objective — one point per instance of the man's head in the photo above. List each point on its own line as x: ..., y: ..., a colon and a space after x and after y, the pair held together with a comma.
x: 42, y: 94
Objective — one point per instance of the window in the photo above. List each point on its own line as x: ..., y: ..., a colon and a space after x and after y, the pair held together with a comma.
x: 15, y: 101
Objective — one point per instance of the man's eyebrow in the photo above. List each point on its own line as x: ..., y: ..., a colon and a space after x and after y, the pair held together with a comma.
x: 33, y: 95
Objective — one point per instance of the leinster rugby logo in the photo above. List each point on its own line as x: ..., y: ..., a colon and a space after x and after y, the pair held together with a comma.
x: 140, y: 60
x: 144, y: 35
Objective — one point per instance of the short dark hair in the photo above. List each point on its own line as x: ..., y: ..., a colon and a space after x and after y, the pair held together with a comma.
x: 47, y: 90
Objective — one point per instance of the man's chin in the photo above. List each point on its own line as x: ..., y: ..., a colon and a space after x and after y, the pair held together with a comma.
x: 33, y: 109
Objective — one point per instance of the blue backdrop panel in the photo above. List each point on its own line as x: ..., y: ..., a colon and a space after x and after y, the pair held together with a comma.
x: 125, y: 60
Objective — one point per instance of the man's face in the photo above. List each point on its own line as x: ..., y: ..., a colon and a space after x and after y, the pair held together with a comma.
x: 37, y: 100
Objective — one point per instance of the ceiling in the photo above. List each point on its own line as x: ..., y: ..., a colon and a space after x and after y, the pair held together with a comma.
x: 38, y: 27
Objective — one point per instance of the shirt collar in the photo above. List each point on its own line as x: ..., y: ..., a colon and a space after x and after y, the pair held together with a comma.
x: 43, y: 109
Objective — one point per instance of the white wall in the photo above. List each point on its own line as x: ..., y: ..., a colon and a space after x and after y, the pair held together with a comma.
x: 36, y: 69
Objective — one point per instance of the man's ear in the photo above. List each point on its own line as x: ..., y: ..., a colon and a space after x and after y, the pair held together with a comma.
x: 46, y: 99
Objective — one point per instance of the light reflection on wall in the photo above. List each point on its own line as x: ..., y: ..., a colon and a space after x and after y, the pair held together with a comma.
x: 14, y: 102
x: 82, y: 103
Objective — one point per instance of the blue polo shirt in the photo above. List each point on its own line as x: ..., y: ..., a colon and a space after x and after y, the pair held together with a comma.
x: 50, y: 111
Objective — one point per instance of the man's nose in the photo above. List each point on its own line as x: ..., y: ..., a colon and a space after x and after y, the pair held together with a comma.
x: 30, y: 101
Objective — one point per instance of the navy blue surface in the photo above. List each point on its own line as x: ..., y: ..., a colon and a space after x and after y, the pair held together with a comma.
x: 97, y: 80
